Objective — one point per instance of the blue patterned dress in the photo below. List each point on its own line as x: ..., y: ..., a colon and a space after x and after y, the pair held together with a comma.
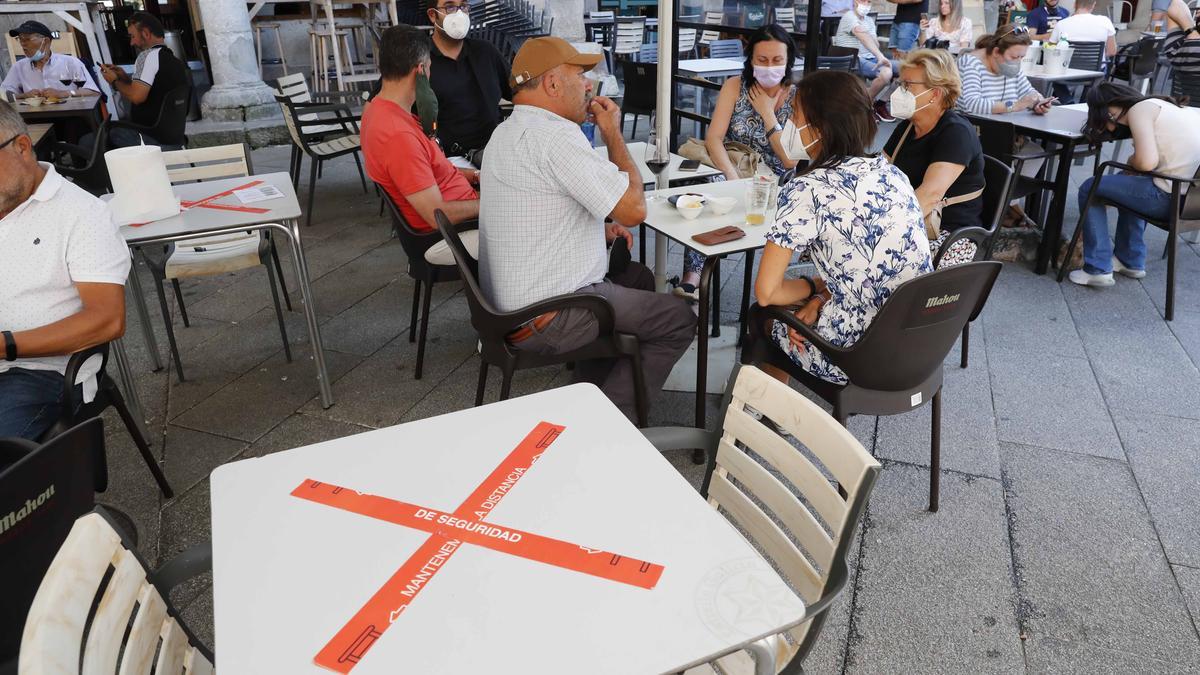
x: 862, y: 226
x: 746, y: 126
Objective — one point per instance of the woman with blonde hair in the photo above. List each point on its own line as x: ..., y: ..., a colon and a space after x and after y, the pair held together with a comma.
x: 950, y: 26
x: 937, y: 148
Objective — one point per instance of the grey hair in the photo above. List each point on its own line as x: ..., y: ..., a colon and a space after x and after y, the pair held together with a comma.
x: 528, y: 85
x: 11, y: 123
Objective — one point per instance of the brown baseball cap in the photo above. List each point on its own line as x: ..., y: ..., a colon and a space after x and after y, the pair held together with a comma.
x: 539, y: 55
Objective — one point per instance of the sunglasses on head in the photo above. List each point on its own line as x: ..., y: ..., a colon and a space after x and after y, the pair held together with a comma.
x: 1015, y: 30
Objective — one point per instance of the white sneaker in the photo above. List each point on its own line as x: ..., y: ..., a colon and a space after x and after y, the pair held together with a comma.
x: 1120, y: 268
x: 1084, y: 279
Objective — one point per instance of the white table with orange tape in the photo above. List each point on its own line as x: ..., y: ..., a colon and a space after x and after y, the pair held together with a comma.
x: 541, y: 534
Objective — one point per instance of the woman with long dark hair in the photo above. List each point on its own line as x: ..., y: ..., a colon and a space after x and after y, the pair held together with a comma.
x: 750, y: 110
x: 1166, y: 139
x: 854, y: 214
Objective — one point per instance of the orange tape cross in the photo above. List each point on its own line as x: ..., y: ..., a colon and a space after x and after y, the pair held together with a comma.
x: 448, y: 532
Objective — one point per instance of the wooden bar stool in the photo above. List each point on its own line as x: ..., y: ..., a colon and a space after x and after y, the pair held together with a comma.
x: 320, y: 40
x: 259, y: 27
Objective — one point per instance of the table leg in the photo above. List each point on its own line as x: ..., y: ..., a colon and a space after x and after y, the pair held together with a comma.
x: 121, y: 360
x: 139, y: 303
x: 1052, y: 226
x: 660, y: 262
x: 747, y: 281
x: 292, y: 230
x: 716, y: 298
x: 710, y: 263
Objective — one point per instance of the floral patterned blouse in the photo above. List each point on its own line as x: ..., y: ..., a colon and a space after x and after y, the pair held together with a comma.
x: 862, y: 227
x: 746, y: 126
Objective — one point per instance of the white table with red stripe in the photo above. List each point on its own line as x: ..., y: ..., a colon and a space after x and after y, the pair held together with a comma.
x: 542, y: 534
x: 211, y: 208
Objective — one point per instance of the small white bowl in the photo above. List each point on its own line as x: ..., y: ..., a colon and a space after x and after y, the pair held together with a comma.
x: 34, y: 101
x: 722, y: 205
x: 690, y: 207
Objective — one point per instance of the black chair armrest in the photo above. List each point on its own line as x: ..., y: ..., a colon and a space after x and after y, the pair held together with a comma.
x: 598, y: 305
x: 785, y: 315
x: 680, y: 438
x: 13, y: 450
x: 342, y: 95
x: 71, y: 374
x: 337, y: 108
x: 191, y: 562
x: 59, y: 149
x: 1152, y: 174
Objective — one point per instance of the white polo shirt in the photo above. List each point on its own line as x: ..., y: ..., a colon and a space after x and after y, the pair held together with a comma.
x: 24, y: 77
x: 1083, y: 28
x: 58, y: 237
x: 545, y: 193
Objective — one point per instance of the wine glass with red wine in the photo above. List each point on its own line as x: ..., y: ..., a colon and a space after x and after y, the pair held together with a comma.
x: 654, y: 161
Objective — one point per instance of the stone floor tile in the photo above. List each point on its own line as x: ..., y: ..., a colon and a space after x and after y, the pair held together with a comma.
x: 935, y: 590
x: 191, y: 455
x: 1164, y: 453
x: 1050, y: 401
x: 1090, y: 567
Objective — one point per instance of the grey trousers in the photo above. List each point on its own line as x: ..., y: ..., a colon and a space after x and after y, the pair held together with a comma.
x: 663, y: 324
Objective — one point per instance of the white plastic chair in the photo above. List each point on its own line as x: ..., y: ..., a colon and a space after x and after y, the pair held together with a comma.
x: 210, y: 256
x: 134, y: 625
x: 803, y: 526
x: 786, y: 18
x: 711, y: 19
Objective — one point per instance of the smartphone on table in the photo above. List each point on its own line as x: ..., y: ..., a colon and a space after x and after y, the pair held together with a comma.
x: 689, y: 165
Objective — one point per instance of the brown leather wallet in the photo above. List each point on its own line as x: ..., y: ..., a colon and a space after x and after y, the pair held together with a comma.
x: 719, y: 235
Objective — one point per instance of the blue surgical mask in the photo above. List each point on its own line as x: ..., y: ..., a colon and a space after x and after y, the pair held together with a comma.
x: 38, y: 55
x: 1010, y: 69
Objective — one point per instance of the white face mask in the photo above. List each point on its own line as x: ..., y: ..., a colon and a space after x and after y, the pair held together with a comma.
x: 456, y: 25
x: 793, y: 144
x: 769, y: 76
x: 861, y: 10
x: 904, y: 103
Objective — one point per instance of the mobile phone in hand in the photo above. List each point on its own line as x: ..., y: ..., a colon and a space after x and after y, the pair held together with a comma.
x: 689, y: 165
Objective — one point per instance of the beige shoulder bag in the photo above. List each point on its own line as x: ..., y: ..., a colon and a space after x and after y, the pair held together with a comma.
x: 744, y: 158
x: 933, y: 221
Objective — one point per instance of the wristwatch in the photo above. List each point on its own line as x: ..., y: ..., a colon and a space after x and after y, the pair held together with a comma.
x: 1008, y: 106
x: 777, y: 129
x: 10, y: 346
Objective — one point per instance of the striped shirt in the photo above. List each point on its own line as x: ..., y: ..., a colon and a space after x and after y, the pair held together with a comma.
x: 1183, y: 54
x: 981, y: 89
x: 845, y: 36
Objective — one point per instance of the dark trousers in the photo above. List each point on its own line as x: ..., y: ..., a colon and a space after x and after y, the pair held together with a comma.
x: 30, y: 402
x: 663, y: 324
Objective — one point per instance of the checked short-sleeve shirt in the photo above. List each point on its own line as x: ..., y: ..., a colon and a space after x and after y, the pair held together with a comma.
x: 545, y: 193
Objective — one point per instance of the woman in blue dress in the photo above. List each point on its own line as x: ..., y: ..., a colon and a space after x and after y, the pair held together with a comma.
x: 854, y: 214
x: 751, y: 109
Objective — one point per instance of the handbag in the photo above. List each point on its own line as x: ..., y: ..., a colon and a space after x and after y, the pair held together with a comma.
x: 933, y: 221
x: 745, y: 159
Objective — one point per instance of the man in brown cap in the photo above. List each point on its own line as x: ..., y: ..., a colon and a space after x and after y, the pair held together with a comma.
x: 545, y: 196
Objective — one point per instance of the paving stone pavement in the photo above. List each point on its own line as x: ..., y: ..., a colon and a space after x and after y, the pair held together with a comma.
x: 1067, y: 541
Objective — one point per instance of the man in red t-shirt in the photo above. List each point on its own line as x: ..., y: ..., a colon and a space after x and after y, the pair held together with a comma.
x: 404, y: 161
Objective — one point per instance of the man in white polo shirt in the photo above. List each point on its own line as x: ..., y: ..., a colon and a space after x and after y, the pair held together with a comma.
x: 1086, y: 26
x: 541, y: 222
x: 42, y: 72
x: 62, y: 274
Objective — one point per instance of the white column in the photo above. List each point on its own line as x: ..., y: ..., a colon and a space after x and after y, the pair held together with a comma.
x: 238, y: 92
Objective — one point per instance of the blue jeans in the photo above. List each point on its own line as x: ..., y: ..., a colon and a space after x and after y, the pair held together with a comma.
x: 1128, y: 244
x: 30, y: 402
x: 869, y: 67
x: 904, y: 36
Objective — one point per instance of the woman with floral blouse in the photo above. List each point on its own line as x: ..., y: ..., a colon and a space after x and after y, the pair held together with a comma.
x: 854, y: 214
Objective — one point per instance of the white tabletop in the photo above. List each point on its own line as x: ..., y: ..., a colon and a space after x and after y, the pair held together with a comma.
x: 662, y: 216
x: 1061, y: 121
x: 710, y: 67
x: 1038, y: 72
x: 289, y: 573
x: 198, y: 220
x: 638, y: 152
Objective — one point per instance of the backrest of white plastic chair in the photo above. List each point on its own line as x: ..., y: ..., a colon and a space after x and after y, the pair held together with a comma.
x: 786, y: 17
x: 53, y: 640
x: 817, y: 522
x: 687, y: 40
x: 629, y: 35
x: 295, y: 87
x: 711, y: 19
x: 221, y: 161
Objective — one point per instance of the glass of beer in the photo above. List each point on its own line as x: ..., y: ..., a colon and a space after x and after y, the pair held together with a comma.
x: 758, y: 196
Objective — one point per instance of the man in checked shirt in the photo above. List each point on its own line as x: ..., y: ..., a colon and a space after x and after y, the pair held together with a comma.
x: 542, y: 232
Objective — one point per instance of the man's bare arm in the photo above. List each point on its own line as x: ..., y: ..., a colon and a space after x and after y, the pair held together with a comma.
x: 101, y: 320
